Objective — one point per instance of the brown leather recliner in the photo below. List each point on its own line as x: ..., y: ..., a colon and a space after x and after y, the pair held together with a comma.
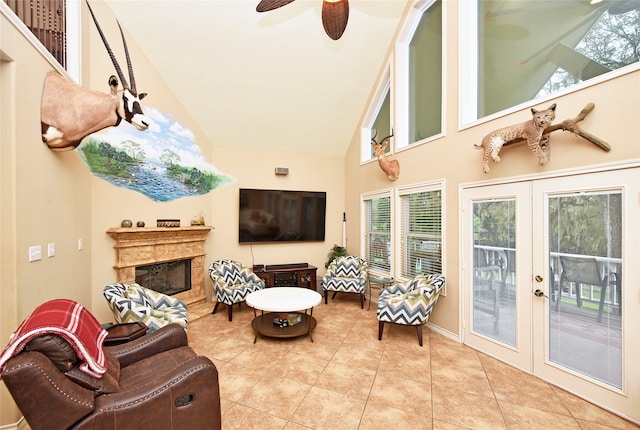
x: 154, y: 382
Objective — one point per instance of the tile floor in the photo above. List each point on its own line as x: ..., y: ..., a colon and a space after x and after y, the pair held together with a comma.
x: 347, y: 379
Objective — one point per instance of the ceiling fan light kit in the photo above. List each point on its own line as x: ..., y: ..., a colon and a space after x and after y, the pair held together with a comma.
x: 335, y: 14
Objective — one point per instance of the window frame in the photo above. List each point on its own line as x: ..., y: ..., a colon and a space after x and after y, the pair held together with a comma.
x: 400, y: 240
x: 468, y: 74
x: 383, y: 87
x: 74, y: 42
x: 401, y: 82
x: 365, y: 199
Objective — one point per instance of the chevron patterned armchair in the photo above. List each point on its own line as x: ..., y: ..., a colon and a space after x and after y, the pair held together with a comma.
x: 346, y: 274
x: 410, y: 302
x: 232, y: 283
x: 133, y: 303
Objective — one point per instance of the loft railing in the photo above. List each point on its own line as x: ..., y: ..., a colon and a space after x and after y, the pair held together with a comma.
x: 47, y: 21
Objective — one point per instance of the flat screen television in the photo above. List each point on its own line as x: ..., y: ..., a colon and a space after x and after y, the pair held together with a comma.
x: 281, y: 215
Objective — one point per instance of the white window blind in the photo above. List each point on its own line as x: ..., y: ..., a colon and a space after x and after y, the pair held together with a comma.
x: 420, y: 230
x: 377, y: 233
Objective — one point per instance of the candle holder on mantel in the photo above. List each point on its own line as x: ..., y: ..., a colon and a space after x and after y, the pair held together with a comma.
x: 198, y: 220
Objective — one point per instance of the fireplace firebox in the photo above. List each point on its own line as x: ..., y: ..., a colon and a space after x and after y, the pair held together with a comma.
x: 171, y: 277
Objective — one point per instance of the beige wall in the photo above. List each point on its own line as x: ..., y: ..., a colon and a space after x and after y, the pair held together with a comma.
x: 615, y: 119
x: 45, y: 199
x: 251, y: 169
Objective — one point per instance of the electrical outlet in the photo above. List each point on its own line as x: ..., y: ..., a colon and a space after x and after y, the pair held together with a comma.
x: 51, y: 250
x: 35, y: 253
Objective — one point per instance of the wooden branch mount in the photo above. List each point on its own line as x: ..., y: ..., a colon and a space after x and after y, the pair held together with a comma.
x: 571, y: 125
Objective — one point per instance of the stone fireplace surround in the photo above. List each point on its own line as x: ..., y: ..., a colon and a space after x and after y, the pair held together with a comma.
x: 140, y: 246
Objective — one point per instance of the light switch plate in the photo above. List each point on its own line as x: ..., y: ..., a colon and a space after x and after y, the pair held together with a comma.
x: 35, y: 253
x: 51, y: 250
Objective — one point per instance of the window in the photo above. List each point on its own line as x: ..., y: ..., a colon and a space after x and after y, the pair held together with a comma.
x: 378, y: 121
x: 524, y: 50
x: 52, y: 26
x: 47, y: 21
x: 419, y: 76
x: 376, y: 212
x: 382, y: 124
x: 420, y: 228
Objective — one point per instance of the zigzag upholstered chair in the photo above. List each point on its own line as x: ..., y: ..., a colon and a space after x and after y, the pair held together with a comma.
x: 134, y: 303
x: 232, y: 282
x: 409, y: 303
x: 346, y: 274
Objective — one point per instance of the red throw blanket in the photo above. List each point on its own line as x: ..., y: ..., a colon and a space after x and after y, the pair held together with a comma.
x: 72, y: 322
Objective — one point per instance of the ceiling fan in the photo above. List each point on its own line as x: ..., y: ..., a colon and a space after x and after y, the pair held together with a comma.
x: 335, y: 14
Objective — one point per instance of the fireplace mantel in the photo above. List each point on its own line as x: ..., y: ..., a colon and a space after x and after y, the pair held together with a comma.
x: 139, y: 246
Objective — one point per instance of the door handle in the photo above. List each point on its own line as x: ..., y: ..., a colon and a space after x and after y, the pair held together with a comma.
x: 539, y: 293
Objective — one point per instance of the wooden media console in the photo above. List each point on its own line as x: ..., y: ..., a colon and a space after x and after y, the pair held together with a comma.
x: 288, y: 275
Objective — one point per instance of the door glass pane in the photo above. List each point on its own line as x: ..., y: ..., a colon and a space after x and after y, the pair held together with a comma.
x: 585, y: 250
x: 494, y: 263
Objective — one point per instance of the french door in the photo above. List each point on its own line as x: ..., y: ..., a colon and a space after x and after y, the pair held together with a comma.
x: 550, y: 270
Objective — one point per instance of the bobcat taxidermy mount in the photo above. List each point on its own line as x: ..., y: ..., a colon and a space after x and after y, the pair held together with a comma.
x: 531, y: 130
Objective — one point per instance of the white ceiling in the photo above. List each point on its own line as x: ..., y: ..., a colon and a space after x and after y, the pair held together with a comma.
x: 252, y: 79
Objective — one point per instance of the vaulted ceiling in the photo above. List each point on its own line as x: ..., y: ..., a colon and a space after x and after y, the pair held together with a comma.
x: 272, y: 79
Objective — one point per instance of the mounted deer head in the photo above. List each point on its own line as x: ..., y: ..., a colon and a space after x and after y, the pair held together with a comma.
x: 390, y: 167
x: 68, y: 112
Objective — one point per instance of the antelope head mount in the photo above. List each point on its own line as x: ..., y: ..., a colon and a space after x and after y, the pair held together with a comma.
x: 68, y: 112
x: 390, y: 167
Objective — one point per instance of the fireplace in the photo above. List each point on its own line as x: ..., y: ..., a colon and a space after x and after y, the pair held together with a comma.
x: 171, y: 277
x: 180, y: 251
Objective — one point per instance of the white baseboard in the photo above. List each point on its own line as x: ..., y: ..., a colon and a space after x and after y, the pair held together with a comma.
x: 21, y: 424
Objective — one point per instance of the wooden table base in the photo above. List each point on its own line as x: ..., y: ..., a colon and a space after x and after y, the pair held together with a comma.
x: 263, y: 325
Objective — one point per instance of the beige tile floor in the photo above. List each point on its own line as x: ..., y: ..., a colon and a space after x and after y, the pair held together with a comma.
x: 347, y: 379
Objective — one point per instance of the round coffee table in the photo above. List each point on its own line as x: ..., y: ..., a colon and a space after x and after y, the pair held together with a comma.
x: 277, y: 300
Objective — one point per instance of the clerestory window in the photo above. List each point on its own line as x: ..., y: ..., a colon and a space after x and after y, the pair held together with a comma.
x: 515, y: 51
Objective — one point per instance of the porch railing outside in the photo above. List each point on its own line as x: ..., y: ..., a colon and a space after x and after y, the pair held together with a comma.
x: 610, y: 270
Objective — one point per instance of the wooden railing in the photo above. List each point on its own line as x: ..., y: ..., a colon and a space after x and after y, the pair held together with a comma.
x: 47, y: 21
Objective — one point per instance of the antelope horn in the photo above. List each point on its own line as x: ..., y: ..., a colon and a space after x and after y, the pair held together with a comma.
x: 388, y: 137
x: 129, y: 66
x: 373, y: 138
x: 106, y: 45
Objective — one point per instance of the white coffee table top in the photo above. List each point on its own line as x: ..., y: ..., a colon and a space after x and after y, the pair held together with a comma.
x: 283, y: 299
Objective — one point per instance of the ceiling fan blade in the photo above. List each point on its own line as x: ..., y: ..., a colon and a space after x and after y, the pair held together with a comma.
x: 267, y: 5
x: 335, y: 14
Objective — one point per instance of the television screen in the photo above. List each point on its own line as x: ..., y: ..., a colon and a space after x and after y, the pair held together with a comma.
x: 281, y: 216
